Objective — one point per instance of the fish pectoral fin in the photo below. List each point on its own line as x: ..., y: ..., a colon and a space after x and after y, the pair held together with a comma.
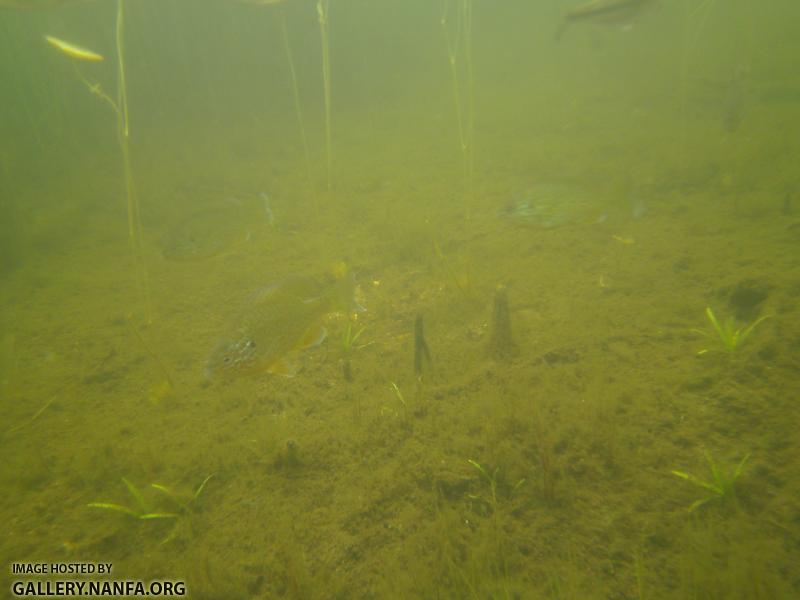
x: 287, y: 367
x: 313, y: 337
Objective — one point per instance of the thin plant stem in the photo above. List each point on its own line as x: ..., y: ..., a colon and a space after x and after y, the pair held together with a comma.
x: 322, y: 15
x: 460, y: 42
x: 691, y: 37
x: 33, y: 418
x: 123, y: 130
x: 466, y: 12
x: 296, y: 94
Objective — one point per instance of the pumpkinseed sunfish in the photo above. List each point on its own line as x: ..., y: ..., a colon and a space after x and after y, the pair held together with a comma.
x: 280, y: 321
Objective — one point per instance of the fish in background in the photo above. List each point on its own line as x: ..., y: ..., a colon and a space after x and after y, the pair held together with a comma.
x: 549, y: 205
x: 623, y: 13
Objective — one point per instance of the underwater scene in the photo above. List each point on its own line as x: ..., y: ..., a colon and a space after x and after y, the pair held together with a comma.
x: 436, y: 299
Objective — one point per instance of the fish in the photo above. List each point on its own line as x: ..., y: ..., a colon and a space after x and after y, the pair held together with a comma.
x: 622, y: 12
x: 278, y: 323
x: 550, y: 205
x: 216, y: 227
x: 208, y: 233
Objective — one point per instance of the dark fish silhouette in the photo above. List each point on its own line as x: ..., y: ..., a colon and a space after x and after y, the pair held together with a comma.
x: 614, y: 12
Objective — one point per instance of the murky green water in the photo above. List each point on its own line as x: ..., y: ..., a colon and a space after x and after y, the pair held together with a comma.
x: 617, y: 182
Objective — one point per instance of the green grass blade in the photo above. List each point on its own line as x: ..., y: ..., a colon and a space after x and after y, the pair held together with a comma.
x: 697, y: 481
x: 478, y: 466
x: 698, y: 503
x: 115, y: 507
x: 137, y: 495
x: 715, y: 323
x: 746, y: 332
x: 174, y: 497
x: 398, y: 393
x: 202, y: 486
x: 357, y: 335
x: 740, y: 467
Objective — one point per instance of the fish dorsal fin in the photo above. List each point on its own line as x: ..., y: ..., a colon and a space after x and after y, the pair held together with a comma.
x: 313, y: 337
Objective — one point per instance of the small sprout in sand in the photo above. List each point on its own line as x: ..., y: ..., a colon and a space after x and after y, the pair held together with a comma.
x: 731, y: 336
x: 144, y: 511
x: 721, y: 486
x: 349, y: 339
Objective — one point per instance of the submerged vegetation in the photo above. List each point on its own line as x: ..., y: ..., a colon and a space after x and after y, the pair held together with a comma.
x: 181, y: 504
x: 468, y: 168
x: 144, y: 509
x: 731, y: 335
x: 501, y: 342
x: 349, y: 339
x: 721, y: 487
x: 121, y: 109
x: 422, y: 353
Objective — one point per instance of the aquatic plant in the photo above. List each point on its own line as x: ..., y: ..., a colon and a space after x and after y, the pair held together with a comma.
x: 490, y: 479
x: 422, y: 353
x: 296, y: 95
x: 501, y: 343
x: 459, y: 41
x: 548, y: 469
x: 144, y: 510
x: 73, y: 50
x: 721, y: 486
x: 295, y: 87
x: 322, y: 17
x: 348, y: 345
x: 498, y: 557
x: 399, y: 395
x: 35, y: 416
x: 184, y: 502
x: 731, y: 336
x: 289, y: 456
x: 120, y: 106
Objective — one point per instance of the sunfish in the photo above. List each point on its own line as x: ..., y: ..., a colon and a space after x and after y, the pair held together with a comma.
x: 280, y: 321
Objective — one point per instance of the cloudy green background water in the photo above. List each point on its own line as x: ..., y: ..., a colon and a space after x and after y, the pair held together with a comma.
x: 617, y: 183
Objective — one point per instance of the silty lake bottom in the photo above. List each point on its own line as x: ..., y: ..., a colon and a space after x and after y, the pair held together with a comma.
x: 599, y: 236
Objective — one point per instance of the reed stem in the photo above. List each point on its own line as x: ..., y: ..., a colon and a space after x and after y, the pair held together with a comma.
x: 296, y: 94
x: 460, y: 42
x: 123, y: 131
x: 322, y: 15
